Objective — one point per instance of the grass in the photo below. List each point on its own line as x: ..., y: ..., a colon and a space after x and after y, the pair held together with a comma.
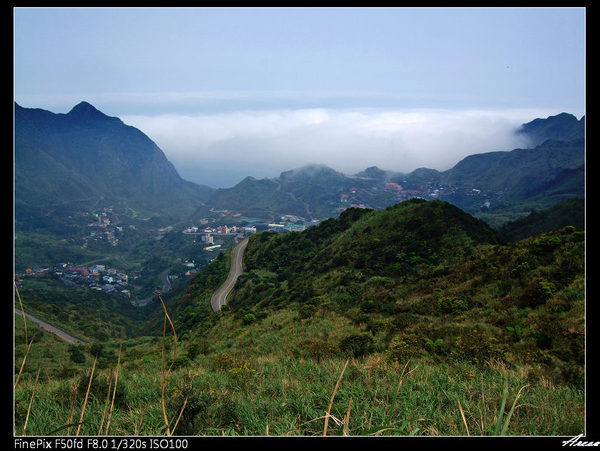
x: 298, y: 397
x: 281, y: 390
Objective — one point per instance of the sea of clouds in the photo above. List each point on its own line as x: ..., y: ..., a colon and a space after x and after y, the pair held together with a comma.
x: 220, y: 149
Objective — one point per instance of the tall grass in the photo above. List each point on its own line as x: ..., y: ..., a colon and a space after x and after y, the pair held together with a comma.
x: 149, y: 391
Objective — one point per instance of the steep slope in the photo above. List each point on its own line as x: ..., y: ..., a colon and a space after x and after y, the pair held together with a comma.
x: 563, y: 127
x: 85, y: 155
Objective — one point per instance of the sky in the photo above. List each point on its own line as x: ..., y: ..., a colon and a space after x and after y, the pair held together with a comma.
x: 232, y: 92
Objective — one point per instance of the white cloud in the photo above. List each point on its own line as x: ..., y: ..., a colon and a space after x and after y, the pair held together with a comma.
x: 264, y: 143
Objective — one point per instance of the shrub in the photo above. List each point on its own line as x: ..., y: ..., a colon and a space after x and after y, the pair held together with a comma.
x: 476, y: 347
x: 181, y: 361
x: 545, y: 244
x: 357, y: 345
x: 76, y: 355
x: 318, y: 349
x: 196, y: 348
x: 537, y: 293
x: 453, y: 306
x: 403, y: 346
x: 437, y: 346
x: 307, y: 311
x: 222, y: 362
x: 248, y: 318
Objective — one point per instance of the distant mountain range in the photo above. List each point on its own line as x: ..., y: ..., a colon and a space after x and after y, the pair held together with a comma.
x: 85, y: 155
x: 551, y: 171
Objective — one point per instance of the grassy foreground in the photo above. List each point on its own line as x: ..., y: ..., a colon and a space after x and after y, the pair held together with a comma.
x: 156, y: 386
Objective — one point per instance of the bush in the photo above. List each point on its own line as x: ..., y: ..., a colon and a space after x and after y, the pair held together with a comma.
x: 248, y: 318
x: 76, y: 355
x: 357, y: 345
x: 453, y: 306
x: 537, y: 293
x: 318, y: 349
x: 545, y: 244
x: 404, y: 346
x: 437, y: 347
x: 307, y: 311
x: 476, y: 347
x: 181, y: 362
x: 196, y: 348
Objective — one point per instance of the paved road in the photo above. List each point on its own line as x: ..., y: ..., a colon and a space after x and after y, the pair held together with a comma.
x: 50, y: 328
x: 219, y: 298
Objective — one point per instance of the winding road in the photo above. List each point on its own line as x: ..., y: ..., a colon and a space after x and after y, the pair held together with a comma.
x: 217, y: 301
x: 50, y: 328
x: 219, y: 297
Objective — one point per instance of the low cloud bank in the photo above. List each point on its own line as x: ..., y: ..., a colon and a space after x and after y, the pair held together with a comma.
x: 220, y: 149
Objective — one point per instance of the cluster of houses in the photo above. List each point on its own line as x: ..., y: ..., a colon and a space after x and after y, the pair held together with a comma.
x: 289, y: 223
x: 106, y: 231
x: 97, y: 277
x: 223, y: 230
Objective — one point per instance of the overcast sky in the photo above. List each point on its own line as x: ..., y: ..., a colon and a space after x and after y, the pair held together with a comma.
x: 231, y: 92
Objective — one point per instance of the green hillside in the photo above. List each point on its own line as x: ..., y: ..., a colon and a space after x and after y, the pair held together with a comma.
x: 567, y: 213
x: 255, y: 198
x: 414, y: 320
x: 427, y: 323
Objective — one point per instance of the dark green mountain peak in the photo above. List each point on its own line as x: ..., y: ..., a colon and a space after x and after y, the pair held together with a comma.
x: 86, y: 155
x: 310, y: 171
x: 563, y: 126
x: 374, y: 172
x: 85, y: 111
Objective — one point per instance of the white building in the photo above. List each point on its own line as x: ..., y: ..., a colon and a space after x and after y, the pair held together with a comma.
x: 208, y: 238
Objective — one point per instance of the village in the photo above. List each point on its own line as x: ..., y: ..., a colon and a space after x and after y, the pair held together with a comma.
x: 97, y: 277
x: 288, y: 223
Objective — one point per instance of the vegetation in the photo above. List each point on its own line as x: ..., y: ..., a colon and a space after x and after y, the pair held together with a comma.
x: 414, y: 320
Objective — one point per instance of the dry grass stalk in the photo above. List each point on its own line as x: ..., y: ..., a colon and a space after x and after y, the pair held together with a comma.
x: 139, y: 428
x: 23, y: 362
x: 112, y: 403
x: 166, y: 374
x: 462, y: 414
x: 346, y: 427
x: 86, y: 396
x: 332, y: 398
x: 179, y: 416
x: 31, y: 401
x: 109, y: 380
x: 73, y: 392
x: 26, y: 337
x: 163, y: 382
x: 22, y: 311
x: 167, y: 317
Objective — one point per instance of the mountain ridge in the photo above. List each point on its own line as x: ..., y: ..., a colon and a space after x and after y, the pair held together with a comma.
x: 548, y: 173
x: 87, y: 154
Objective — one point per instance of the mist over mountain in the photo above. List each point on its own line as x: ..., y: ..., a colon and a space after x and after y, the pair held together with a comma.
x: 220, y: 149
x: 549, y: 172
x: 85, y: 155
